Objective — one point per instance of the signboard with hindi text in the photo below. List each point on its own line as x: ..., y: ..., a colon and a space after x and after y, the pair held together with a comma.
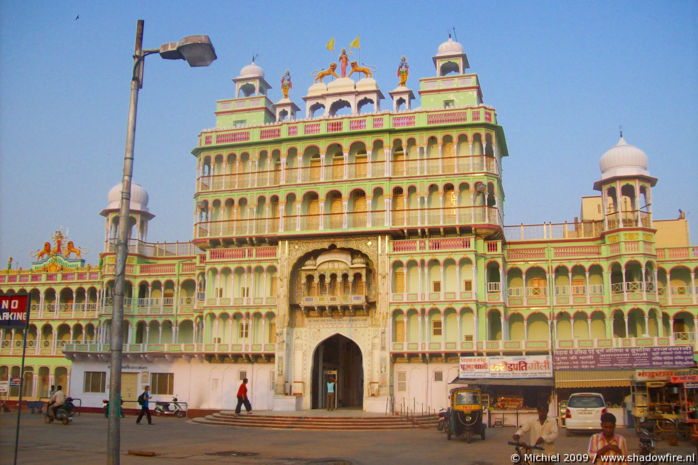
x: 13, y: 311
x: 525, y: 366
x: 623, y: 358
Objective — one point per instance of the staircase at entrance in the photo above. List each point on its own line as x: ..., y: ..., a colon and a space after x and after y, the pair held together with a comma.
x: 313, y: 420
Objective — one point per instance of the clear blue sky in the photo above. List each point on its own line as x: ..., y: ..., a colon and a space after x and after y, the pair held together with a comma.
x: 563, y: 75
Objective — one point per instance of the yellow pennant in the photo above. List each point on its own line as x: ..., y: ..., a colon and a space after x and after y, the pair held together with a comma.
x: 330, y: 44
x: 355, y: 43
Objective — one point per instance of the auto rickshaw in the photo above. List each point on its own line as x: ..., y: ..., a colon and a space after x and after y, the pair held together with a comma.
x: 465, y: 414
x: 654, y: 408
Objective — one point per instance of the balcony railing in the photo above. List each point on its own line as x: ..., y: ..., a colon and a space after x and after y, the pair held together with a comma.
x: 157, y: 249
x: 380, y: 219
x: 361, y: 169
x: 183, y: 348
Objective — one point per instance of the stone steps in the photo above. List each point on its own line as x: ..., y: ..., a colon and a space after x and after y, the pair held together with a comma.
x: 314, y: 422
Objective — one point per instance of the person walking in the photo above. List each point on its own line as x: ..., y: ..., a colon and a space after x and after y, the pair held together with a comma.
x: 607, y: 443
x: 143, y: 400
x: 541, y: 429
x: 330, y: 393
x: 242, y: 398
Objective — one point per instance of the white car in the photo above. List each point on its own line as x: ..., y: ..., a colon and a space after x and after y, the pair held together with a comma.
x: 584, y: 411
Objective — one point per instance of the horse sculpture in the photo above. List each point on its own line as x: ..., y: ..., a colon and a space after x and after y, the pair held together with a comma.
x: 326, y: 72
x: 355, y: 68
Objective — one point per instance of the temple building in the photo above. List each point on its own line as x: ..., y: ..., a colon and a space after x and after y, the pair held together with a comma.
x: 366, y: 241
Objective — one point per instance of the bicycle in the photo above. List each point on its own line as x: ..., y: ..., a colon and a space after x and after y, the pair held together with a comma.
x: 523, y: 450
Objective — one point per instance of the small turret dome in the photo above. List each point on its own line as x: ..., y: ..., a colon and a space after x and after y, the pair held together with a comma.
x: 252, y: 70
x: 623, y: 160
x: 139, y: 198
x: 450, y: 47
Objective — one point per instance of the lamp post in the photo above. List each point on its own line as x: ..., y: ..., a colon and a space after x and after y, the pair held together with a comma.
x: 198, y: 51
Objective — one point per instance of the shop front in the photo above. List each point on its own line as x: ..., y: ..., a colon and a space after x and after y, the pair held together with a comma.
x: 614, y: 373
x: 512, y: 386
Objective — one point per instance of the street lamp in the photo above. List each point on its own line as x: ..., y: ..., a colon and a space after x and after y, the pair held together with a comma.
x: 198, y: 51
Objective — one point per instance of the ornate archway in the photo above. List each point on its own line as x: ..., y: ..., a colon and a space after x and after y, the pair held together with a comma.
x: 343, y: 356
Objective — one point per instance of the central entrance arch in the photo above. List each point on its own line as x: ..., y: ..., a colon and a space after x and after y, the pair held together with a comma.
x: 343, y: 355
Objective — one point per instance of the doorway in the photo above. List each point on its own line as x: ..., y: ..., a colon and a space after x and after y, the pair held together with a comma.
x: 129, y: 386
x: 340, y: 354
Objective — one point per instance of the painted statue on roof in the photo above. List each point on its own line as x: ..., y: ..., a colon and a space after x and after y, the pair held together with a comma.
x: 403, y: 70
x: 343, y: 62
x: 286, y: 83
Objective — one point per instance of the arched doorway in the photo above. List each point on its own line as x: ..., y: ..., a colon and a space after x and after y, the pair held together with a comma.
x: 343, y: 355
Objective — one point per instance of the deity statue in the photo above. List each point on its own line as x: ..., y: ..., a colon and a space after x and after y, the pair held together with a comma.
x: 343, y: 62
x: 286, y: 83
x: 403, y: 70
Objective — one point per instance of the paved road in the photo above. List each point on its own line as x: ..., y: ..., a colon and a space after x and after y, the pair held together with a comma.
x: 183, y: 442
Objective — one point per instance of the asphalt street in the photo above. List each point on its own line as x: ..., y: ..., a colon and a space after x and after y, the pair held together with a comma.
x: 178, y: 441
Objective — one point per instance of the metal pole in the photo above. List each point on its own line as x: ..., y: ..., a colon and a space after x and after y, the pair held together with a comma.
x: 116, y: 345
x: 21, y: 377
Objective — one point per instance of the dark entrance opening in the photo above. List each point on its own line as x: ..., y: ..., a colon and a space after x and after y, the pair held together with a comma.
x: 340, y: 354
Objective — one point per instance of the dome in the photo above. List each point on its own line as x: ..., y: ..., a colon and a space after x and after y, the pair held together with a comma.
x: 367, y: 84
x: 251, y: 70
x: 139, y: 198
x: 623, y: 160
x: 450, y: 47
x: 341, y: 85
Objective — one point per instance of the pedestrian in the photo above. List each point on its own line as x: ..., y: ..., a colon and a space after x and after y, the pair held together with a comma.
x: 330, y: 393
x: 542, y: 430
x: 242, y: 398
x: 607, y: 443
x: 143, y: 400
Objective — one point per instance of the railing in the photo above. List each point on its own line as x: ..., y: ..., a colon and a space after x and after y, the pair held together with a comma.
x: 359, y: 169
x: 586, y: 229
x: 176, y: 348
x: 157, y: 249
x: 421, y: 217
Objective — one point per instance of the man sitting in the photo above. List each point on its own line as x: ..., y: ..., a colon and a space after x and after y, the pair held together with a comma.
x: 56, y: 401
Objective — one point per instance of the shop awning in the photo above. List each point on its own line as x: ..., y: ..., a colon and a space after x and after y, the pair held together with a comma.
x: 593, y: 378
x: 505, y: 381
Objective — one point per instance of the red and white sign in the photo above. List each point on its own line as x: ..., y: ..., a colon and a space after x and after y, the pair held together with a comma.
x: 526, y: 366
x: 13, y: 311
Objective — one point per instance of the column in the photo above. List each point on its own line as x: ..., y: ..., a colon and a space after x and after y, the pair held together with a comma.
x: 369, y: 164
x: 345, y: 156
x: 345, y: 207
x: 388, y: 157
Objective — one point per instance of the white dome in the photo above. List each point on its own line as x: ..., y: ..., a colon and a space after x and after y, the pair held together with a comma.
x: 252, y: 70
x: 623, y: 160
x: 139, y: 198
x: 341, y: 85
x: 450, y: 47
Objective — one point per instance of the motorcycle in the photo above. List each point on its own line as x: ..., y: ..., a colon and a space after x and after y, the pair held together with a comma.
x: 443, y: 418
x: 64, y: 413
x: 176, y: 408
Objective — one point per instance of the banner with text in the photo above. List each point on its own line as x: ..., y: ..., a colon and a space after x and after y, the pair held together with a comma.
x: 13, y: 311
x: 526, y: 366
x: 623, y: 358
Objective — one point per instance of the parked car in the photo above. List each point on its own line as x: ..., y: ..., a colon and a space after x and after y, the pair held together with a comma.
x: 584, y: 411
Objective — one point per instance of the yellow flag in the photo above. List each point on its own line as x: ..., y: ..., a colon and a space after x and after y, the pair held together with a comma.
x: 355, y: 43
x: 330, y: 44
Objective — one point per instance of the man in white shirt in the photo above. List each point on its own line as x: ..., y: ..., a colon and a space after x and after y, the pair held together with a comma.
x: 541, y: 430
x: 57, y: 399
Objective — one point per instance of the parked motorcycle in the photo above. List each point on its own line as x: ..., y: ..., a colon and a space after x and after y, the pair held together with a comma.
x: 443, y: 418
x: 176, y: 408
x: 64, y: 413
